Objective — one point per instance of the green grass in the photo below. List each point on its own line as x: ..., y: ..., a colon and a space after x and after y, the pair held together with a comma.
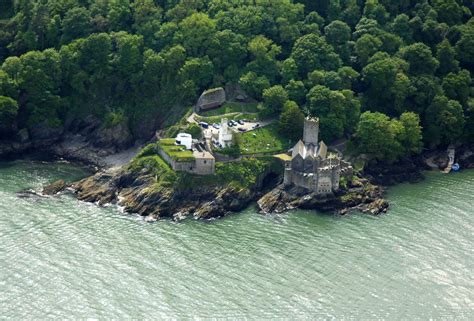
x: 241, y: 174
x: 231, y: 116
x: 229, y: 108
x: 263, y: 140
x: 177, y: 153
x: 163, y: 174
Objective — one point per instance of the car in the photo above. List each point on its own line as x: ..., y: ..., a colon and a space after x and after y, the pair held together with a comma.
x: 216, y: 126
x: 243, y: 130
x: 256, y: 125
x: 204, y: 124
x: 240, y: 122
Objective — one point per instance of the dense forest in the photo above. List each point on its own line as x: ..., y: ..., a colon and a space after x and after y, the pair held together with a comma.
x: 393, y: 76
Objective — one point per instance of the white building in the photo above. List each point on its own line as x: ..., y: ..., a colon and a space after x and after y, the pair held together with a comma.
x: 185, y: 140
x: 225, y: 134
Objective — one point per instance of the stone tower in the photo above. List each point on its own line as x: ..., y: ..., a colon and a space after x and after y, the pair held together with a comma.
x: 311, y: 131
x: 225, y: 134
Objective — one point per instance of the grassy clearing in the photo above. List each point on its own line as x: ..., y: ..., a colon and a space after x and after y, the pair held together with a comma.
x: 177, y: 153
x: 263, y: 140
x: 229, y: 108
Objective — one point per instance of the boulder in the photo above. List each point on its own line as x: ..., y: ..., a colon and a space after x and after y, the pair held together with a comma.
x: 54, y: 188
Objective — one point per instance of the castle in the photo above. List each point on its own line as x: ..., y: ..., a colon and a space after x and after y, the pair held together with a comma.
x: 310, y: 167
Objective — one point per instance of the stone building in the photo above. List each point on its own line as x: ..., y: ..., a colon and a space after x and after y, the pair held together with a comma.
x: 200, y: 163
x: 311, y: 167
x: 210, y: 99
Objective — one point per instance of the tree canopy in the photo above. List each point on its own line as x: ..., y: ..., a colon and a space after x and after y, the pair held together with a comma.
x: 402, y: 63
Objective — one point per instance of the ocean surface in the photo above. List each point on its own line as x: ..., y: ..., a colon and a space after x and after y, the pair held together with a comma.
x: 61, y: 258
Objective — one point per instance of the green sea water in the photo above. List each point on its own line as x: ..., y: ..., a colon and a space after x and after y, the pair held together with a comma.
x: 61, y: 258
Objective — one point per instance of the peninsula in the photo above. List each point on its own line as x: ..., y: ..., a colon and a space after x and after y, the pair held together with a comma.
x: 202, y: 107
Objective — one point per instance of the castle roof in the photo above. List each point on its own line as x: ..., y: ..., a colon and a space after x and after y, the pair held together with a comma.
x: 309, y: 150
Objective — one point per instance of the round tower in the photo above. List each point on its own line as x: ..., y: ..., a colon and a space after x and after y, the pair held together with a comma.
x: 311, y: 130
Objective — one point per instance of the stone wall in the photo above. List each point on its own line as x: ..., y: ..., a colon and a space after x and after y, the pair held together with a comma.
x: 205, y: 166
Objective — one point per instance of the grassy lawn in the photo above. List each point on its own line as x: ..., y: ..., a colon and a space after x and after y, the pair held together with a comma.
x: 178, y: 153
x: 263, y: 140
x: 229, y: 108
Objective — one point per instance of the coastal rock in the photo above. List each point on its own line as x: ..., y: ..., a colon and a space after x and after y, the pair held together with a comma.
x: 365, y: 197
x: 136, y: 193
x: 276, y: 201
x: 376, y: 207
x: 54, y: 188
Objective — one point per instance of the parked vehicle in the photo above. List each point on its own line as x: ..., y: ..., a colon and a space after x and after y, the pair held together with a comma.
x: 230, y: 124
x: 216, y: 126
x: 243, y: 130
x: 204, y: 124
x: 256, y: 125
x: 240, y: 122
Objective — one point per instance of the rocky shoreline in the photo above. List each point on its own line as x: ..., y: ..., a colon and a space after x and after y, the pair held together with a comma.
x: 134, y: 191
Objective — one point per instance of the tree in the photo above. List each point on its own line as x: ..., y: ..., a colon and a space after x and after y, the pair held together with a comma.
x: 366, y: 46
x: 291, y: 121
x: 264, y: 53
x: 227, y: 49
x: 348, y: 77
x: 119, y: 15
x: 420, y: 59
x: 446, y: 56
x: 465, y: 48
x: 374, y: 10
x: 146, y: 18
x: 296, y: 91
x: 338, y: 111
x: 312, y: 52
x: 274, y: 98
x: 411, y: 137
x: 8, y: 116
x: 289, y: 70
x: 444, y: 122
x: 401, y: 27
x: 195, y: 33
x: 458, y: 86
x: 76, y: 24
x: 376, y: 135
x: 386, y: 85
x: 337, y: 33
x: 253, y: 84
x: 449, y: 11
